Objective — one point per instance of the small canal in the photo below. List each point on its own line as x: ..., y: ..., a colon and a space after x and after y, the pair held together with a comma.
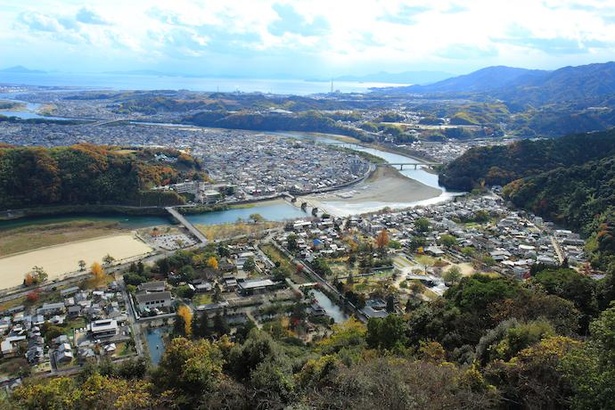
x: 333, y: 310
x: 155, y: 343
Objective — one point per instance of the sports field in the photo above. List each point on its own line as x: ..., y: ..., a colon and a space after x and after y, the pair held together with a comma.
x: 61, y: 260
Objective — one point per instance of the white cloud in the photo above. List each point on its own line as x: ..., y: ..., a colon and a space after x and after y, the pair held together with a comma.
x: 342, y: 35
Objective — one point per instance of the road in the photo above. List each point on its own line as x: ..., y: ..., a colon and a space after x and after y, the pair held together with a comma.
x: 558, y: 249
x: 133, y: 322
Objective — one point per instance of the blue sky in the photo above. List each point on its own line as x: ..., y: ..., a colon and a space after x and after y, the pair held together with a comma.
x: 303, y: 38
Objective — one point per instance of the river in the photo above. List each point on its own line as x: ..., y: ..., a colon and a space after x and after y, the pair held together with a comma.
x: 270, y: 210
x: 419, y: 174
x: 278, y: 210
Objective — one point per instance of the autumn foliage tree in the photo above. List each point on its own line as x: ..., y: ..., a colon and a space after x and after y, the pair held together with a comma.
x: 382, y: 240
x: 184, y: 320
x: 189, y: 370
x: 33, y: 295
x: 212, y: 262
x: 35, y: 277
x: 98, y: 273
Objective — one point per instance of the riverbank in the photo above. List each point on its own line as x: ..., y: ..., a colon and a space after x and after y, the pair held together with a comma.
x: 61, y: 260
x: 28, y: 238
x: 386, y: 187
x: 72, y: 210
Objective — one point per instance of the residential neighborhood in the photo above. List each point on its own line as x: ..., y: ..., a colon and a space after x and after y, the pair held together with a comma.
x: 336, y: 268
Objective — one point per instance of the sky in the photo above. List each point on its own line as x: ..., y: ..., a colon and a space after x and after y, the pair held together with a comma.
x: 303, y: 38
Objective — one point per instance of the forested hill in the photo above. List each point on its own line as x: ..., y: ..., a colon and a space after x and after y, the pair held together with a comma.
x: 570, y: 181
x: 592, y: 83
x: 87, y: 174
x: 308, y: 121
x: 499, y: 165
x: 581, y: 197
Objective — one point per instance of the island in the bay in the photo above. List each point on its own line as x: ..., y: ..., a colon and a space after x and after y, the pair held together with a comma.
x: 442, y: 246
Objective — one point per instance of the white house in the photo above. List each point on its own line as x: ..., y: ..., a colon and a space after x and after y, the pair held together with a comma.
x: 103, y: 328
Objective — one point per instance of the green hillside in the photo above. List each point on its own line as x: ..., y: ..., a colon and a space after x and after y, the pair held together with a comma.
x: 570, y: 181
x: 89, y: 175
x: 499, y: 165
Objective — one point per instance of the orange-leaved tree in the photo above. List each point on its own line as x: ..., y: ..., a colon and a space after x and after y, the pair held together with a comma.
x: 185, y: 313
x: 382, y: 240
x: 97, y: 272
x: 212, y: 262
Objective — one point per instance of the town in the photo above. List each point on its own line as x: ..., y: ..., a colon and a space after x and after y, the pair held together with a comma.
x: 292, y: 277
x: 295, y: 278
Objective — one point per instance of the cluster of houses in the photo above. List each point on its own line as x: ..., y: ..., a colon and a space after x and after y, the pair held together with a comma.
x: 260, y: 165
x: 102, y: 310
x: 313, y: 238
x: 512, y: 239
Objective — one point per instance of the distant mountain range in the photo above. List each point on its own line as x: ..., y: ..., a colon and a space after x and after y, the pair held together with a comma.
x: 593, y: 83
x: 21, y: 69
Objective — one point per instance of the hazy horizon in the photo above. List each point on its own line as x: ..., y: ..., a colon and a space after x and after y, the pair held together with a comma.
x: 295, y: 39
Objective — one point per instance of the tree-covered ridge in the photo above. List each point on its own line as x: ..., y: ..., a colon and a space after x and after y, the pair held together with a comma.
x: 87, y: 174
x: 569, y: 181
x: 499, y: 165
x: 309, y: 121
x: 581, y: 197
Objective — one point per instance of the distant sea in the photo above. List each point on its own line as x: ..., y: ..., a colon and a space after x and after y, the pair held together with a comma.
x: 152, y: 82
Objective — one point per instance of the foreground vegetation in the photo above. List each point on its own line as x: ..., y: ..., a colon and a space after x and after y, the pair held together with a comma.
x: 490, y: 342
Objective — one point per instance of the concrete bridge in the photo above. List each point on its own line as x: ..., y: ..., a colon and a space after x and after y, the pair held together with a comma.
x: 410, y: 164
x: 191, y: 228
x: 106, y: 122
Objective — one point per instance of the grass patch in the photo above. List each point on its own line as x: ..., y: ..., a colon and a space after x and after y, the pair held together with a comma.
x: 430, y: 294
x: 32, y: 237
x: 71, y: 325
x: 278, y: 257
x: 123, y: 349
x: 343, y: 269
x: 125, y: 151
x: 361, y: 287
x: 14, y: 366
x: 226, y: 231
x: 202, y: 299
